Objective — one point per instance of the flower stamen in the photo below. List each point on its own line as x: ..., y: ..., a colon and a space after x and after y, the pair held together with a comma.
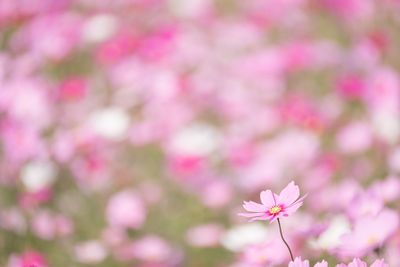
x: 275, y: 210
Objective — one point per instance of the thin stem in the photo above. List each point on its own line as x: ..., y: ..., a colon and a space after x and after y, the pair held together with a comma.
x: 284, y: 241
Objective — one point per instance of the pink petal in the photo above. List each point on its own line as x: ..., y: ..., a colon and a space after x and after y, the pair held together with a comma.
x: 254, y: 207
x: 249, y: 215
x: 289, y: 194
x: 260, y: 218
x: 321, y: 264
x: 357, y: 263
x: 297, y: 201
x: 379, y: 263
x: 292, y: 208
x: 268, y: 198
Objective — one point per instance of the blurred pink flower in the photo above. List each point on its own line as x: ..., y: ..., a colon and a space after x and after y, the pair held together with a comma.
x: 379, y: 263
x: 321, y: 264
x: 90, y: 252
x: 29, y: 259
x: 264, y: 254
x: 298, y: 262
x: 152, y: 248
x: 355, y: 263
x: 73, y: 88
x: 351, y: 87
x: 356, y: 137
x: 369, y: 233
x: 274, y: 206
x: 359, y: 263
x: 206, y: 235
x: 126, y: 210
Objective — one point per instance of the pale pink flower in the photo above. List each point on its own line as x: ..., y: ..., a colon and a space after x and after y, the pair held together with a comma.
x: 90, y: 252
x: 152, y: 248
x: 205, y: 235
x: 299, y: 263
x: 359, y: 263
x: 321, y: 264
x: 274, y: 206
x: 369, y: 233
x: 126, y: 209
x: 379, y: 263
x: 269, y: 253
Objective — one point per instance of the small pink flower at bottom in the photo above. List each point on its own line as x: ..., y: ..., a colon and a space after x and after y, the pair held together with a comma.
x: 298, y: 262
x: 274, y: 206
x: 356, y: 263
x: 359, y: 263
x: 379, y: 263
x: 321, y: 264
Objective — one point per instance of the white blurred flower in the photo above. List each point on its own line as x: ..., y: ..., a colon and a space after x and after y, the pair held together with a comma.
x: 193, y: 8
x: 90, y: 252
x: 330, y: 239
x: 241, y: 236
x: 111, y: 123
x: 38, y: 174
x: 197, y: 139
x: 387, y: 126
x: 99, y: 28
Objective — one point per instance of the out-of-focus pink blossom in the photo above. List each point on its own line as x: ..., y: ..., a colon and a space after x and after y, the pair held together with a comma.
x: 207, y: 235
x: 152, y: 249
x: 298, y: 262
x: 74, y: 88
x: 369, y: 233
x: 28, y: 258
x: 355, y: 138
x: 125, y: 209
x: 359, y: 263
x: 265, y: 253
x: 90, y: 252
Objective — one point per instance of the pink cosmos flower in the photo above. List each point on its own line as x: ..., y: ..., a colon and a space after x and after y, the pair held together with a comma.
x: 300, y: 263
x: 359, y: 263
x: 274, y: 206
x: 369, y: 233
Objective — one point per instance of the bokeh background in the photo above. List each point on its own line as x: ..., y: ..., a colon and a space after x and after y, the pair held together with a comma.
x: 132, y: 130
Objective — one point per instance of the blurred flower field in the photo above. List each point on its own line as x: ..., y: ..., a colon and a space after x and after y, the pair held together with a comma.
x: 131, y: 132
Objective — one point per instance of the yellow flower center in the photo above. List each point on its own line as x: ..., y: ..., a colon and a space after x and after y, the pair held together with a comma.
x: 372, y: 240
x: 275, y: 210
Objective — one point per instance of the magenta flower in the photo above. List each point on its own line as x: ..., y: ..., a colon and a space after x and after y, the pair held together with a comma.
x: 274, y: 206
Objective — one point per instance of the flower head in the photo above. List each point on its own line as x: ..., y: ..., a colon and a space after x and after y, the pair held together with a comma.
x: 274, y: 206
x: 359, y: 263
x: 298, y: 262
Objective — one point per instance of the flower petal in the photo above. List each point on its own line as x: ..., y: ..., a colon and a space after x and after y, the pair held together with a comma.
x: 253, y: 214
x: 268, y: 198
x: 289, y: 194
x: 265, y: 217
x: 292, y: 208
x: 297, y: 201
x: 254, y: 207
